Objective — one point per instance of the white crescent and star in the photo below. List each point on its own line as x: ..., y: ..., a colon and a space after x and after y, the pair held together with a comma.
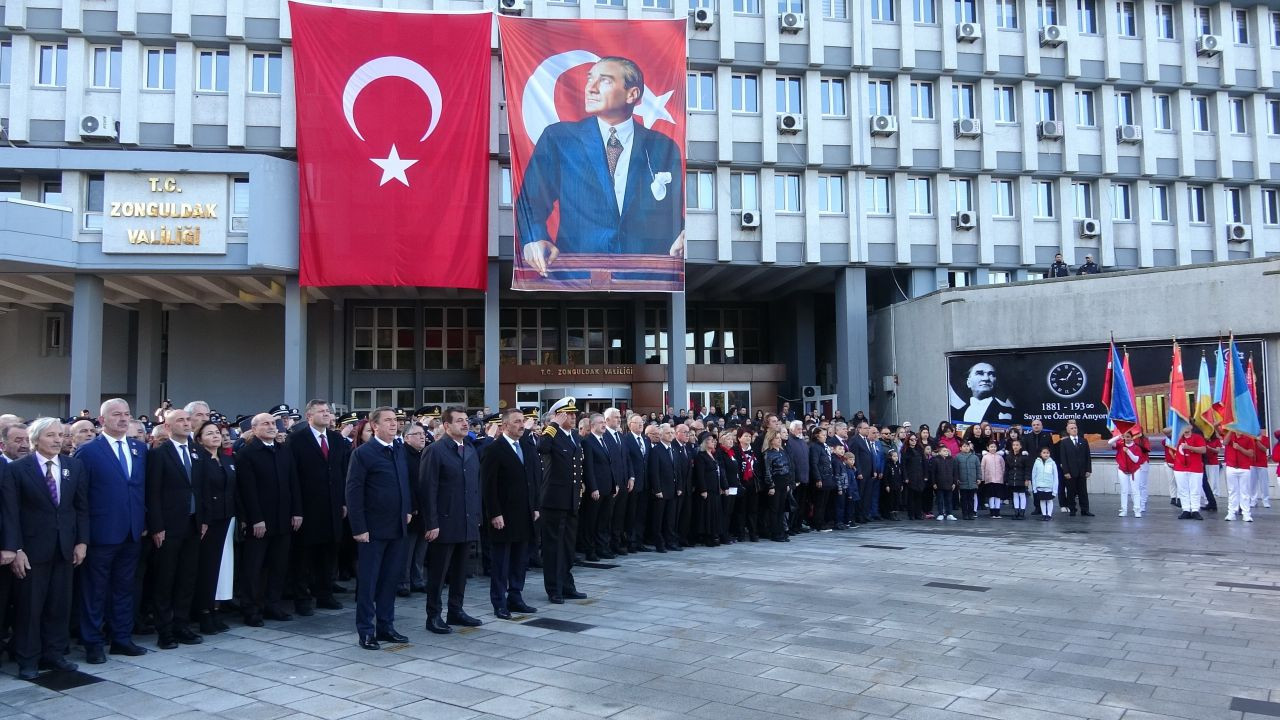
x: 393, y: 166
x: 538, y: 101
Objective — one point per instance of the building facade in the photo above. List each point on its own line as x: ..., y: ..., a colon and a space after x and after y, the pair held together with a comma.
x: 842, y: 156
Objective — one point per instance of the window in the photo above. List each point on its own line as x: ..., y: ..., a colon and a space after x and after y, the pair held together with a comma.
x: 746, y: 7
x: 1121, y: 202
x: 656, y: 4
x: 383, y: 338
x: 787, y: 94
x: 365, y: 399
x: 94, y: 188
x: 1200, y: 113
x: 215, y: 67
x: 504, y: 186
x: 962, y: 101
x: 998, y: 277
x: 6, y: 61
x: 594, y: 335
x: 922, y: 100
x: 1035, y: 274
x: 452, y: 338
x: 160, y: 69
x: 835, y: 9
x: 1241, y: 18
x: 529, y: 336
x: 1270, y: 206
x: 966, y: 10
x: 1124, y: 108
x: 702, y: 91
x: 105, y: 73
x: 1160, y: 203
x: 51, y: 193
x: 700, y: 190
x: 55, y: 333
x: 52, y: 68
x: 1163, y: 119
x: 1239, y: 120
x: 920, y: 193
x: 1275, y: 29
x: 1044, y: 199
x: 240, y: 205
x: 1196, y: 211
x: 1204, y: 20
x: 1002, y: 198
x: 744, y: 191
x: 1164, y: 22
x: 1273, y: 117
x: 962, y: 193
x: 833, y: 98
x: 831, y: 194
x: 656, y: 335
x: 746, y: 93
x: 882, y: 10
x: 1083, y: 193
x: 958, y: 278
x: 1126, y: 19
x: 1086, y: 114
x: 725, y: 335
x: 786, y: 193
x: 878, y: 199
x: 611, y: 3
x: 1236, y: 205
x: 1087, y: 17
x: 471, y: 398
x: 924, y: 11
x: 1006, y: 109
x: 10, y: 189
x: 1007, y: 14
x: 880, y: 97
x: 1046, y: 104
x: 264, y: 73
x: 1047, y: 12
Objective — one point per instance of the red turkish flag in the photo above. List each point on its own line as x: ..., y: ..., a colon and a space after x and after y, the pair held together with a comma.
x: 393, y: 146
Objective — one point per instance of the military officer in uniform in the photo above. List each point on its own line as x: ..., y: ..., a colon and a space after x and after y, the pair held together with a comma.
x: 559, y: 497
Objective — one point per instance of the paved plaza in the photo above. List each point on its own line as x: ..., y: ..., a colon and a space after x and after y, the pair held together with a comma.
x: 1100, y: 618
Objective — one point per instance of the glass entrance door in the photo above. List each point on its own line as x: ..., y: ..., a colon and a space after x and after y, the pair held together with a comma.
x: 721, y: 397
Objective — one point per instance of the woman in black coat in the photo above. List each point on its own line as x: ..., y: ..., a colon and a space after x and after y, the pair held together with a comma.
x: 746, y: 510
x: 822, y: 476
x: 214, y: 478
x: 913, y: 472
x: 732, y: 487
x: 776, y: 484
x: 708, y: 484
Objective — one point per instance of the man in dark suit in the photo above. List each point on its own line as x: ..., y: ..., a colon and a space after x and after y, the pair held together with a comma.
x: 1075, y: 465
x: 618, y: 185
x: 631, y: 506
x: 174, y: 530
x: 320, y: 456
x: 14, y: 445
x: 272, y: 510
x: 685, y: 450
x: 45, y: 507
x: 797, y: 449
x: 379, y: 502
x: 449, y: 499
x: 661, y: 484
x: 115, y: 472
x: 559, y: 497
x: 597, y: 504
x: 509, y: 474
x: 864, y: 450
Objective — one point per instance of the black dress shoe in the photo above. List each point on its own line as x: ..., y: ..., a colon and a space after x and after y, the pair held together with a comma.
x: 677, y: 548
x: 253, y: 620
x: 608, y: 556
x: 1184, y: 515
x: 166, y: 643
x: 592, y: 557
x: 186, y: 637
x: 60, y: 664
x: 1086, y: 514
x: 129, y: 649
x: 27, y: 674
x: 94, y: 655
x: 502, y: 613
x: 521, y: 607
x: 419, y: 588
x: 660, y: 549
x: 438, y: 626
x: 1196, y: 516
x: 392, y: 636
x: 337, y: 588
x: 143, y: 628
x: 574, y: 595
x: 304, y: 609
x: 369, y: 643
x: 207, y: 625
x: 403, y: 591
x: 620, y: 551
x: 220, y: 626
x: 463, y: 619
x: 644, y: 548
x: 329, y: 603
x: 273, y: 614
x: 555, y: 599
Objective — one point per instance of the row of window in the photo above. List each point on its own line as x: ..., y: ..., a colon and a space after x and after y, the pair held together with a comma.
x: 366, y: 398
x: 159, y: 68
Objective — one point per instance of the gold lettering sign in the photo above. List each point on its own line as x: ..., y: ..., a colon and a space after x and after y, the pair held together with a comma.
x: 175, y: 214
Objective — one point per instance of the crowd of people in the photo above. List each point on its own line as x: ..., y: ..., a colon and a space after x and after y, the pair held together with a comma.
x: 112, y: 527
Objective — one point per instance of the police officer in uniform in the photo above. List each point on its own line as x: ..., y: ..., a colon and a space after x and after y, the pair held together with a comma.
x: 559, y: 497
x: 1059, y: 268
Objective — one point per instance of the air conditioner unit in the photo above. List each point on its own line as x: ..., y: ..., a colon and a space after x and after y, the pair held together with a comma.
x: 811, y: 392
x: 1090, y: 228
x: 1052, y: 35
x: 702, y: 19
x: 749, y: 219
x: 884, y: 124
x: 968, y: 127
x: 97, y: 127
x: 968, y: 32
x: 966, y: 220
x: 1239, y: 232
x: 512, y: 7
x: 1129, y: 134
x: 1208, y: 45
x: 791, y: 22
x: 790, y: 122
x: 1049, y: 129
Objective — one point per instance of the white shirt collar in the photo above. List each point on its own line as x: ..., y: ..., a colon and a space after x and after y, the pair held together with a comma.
x: 178, y: 445
x: 626, y: 130
x: 384, y: 444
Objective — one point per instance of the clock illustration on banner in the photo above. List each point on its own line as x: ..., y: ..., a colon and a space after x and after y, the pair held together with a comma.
x: 1066, y: 379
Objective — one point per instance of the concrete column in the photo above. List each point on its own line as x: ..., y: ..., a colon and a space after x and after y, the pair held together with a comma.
x: 923, y: 281
x: 491, y: 321
x: 637, y: 315
x: 147, y: 380
x: 86, y: 344
x: 852, y: 365
x: 677, y: 368
x: 805, y: 371
x: 295, y: 343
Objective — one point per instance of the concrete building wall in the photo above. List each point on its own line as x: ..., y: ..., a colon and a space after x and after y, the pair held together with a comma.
x: 232, y: 358
x: 33, y: 380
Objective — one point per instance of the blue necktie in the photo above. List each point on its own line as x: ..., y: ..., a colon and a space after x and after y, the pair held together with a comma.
x: 124, y: 461
x: 186, y: 464
x: 519, y: 451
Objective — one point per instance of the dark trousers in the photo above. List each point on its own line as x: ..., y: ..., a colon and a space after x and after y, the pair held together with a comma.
x: 966, y: 502
x: 415, y: 555
x: 143, y: 582
x: 175, y: 581
x: 558, y: 530
x: 208, y: 564
x: 265, y: 564
x: 684, y: 518
x: 727, y: 505
x: 746, y: 513
x: 315, y: 567
x: 867, y: 490
x: 639, y: 516
x: 624, y: 513
x: 585, y: 533
x: 662, y: 523
x: 1076, y: 491
x: 602, y: 537
x: 778, y: 503
x: 7, y: 581
x: 820, y: 501
x: 106, y: 592
x: 801, y: 495
x: 915, y: 500
x: 378, y: 567
x: 43, y: 613
x: 507, y: 565
x: 445, y: 561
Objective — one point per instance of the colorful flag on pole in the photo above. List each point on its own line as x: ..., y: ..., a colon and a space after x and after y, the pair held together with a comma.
x: 1133, y: 397
x: 1204, y: 416
x: 1117, y: 395
x: 1239, y: 412
x: 1252, y: 380
x: 1179, y: 410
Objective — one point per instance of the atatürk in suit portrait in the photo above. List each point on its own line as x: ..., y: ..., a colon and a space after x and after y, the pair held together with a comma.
x: 619, y: 186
